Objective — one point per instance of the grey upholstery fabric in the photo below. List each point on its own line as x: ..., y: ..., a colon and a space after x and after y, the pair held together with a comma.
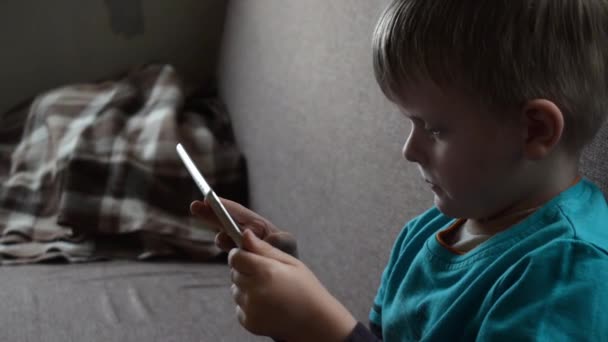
x: 118, y: 301
x: 594, y: 162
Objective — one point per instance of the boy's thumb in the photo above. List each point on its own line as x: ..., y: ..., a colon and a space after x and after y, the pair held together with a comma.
x: 255, y: 245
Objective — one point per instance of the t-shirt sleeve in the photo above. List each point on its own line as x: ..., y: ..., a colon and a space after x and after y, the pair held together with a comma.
x: 557, y: 296
x: 375, y: 315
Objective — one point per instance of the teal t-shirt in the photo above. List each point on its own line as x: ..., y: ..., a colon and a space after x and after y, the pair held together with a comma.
x: 544, y: 279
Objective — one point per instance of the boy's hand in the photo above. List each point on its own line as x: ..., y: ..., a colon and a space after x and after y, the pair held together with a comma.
x: 247, y: 220
x: 278, y: 296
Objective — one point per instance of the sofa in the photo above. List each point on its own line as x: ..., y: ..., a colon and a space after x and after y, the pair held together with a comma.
x: 323, y: 148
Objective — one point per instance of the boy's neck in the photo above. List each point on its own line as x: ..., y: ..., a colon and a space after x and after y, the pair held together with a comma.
x: 544, y: 187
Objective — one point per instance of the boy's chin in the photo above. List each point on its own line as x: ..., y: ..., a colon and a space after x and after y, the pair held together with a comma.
x: 455, y: 209
x: 447, y: 208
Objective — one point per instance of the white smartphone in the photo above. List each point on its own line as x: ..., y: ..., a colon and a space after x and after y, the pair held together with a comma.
x: 230, y: 227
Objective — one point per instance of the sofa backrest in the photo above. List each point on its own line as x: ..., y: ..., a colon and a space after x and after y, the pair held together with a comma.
x: 323, y: 144
x: 594, y: 162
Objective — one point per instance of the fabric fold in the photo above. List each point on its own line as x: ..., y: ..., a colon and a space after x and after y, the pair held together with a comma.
x: 99, y: 160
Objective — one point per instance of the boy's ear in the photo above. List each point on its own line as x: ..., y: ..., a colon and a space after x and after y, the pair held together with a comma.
x: 544, y: 127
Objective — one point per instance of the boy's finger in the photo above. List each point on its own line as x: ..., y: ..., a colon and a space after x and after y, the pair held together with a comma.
x: 237, y: 211
x: 203, y: 210
x: 224, y: 242
x: 249, y: 264
x: 247, y: 218
x: 283, y: 241
x: 238, y: 296
x: 240, y: 214
x: 241, y: 280
x: 254, y: 244
x: 196, y: 207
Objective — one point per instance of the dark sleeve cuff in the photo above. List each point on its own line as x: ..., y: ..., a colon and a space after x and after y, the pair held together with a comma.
x: 361, y: 334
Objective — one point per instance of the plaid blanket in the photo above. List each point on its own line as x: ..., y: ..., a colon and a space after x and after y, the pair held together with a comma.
x: 90, y: 171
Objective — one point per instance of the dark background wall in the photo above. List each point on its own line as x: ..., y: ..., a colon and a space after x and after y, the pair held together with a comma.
x: 50, y: 43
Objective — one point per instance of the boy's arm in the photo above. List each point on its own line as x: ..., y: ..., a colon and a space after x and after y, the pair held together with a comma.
x: 558, y: 296
x: 277, y: 295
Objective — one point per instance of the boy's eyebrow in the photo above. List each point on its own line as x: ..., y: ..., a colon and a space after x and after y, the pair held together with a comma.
x: 409, y: 115
x: 417, y: 117
x: 412, y: 116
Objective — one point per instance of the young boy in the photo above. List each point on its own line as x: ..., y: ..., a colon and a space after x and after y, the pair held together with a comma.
x: 502, y: 96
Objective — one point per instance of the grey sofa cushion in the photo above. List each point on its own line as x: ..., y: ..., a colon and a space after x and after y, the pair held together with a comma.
x: 119, y: 301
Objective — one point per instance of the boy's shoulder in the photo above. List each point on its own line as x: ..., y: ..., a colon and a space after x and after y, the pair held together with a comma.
x: 569, y: 231
x: 582, y: 210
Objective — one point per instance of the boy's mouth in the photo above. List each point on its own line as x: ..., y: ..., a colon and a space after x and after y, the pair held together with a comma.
x: 434, y: 187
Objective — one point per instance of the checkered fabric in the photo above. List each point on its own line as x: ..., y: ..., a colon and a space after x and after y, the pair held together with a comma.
x: 86, y: 166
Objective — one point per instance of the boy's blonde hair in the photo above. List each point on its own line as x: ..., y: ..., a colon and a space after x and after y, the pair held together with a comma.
x: 504, y: 52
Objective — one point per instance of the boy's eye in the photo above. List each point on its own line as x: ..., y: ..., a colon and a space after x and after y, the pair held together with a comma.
x: 433, y: 131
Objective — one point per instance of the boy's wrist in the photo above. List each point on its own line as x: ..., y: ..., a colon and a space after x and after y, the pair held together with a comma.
x: 332, y: 323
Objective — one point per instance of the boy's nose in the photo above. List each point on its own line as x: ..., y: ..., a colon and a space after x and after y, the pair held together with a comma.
x: 411, y: 148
